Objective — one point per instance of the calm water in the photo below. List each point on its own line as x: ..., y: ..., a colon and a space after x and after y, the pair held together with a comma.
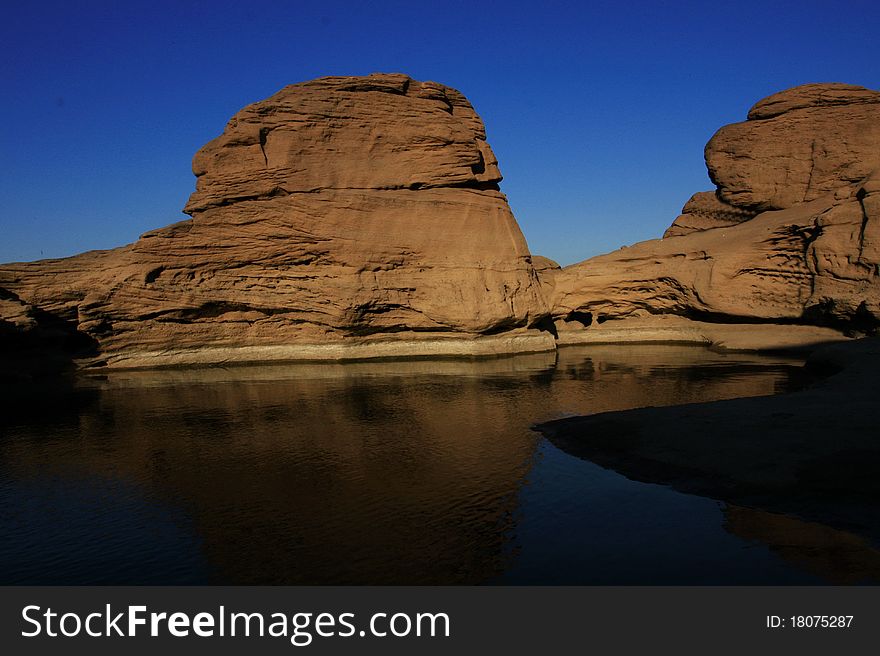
x: 410, y: 472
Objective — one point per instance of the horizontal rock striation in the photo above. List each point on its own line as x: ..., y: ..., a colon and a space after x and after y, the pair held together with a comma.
x: 791, y: 234
x: 339, y: 210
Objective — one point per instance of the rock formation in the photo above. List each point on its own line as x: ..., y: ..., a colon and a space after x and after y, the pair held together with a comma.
x: 352, y: 217
x: 339, y: 212
x: 791, y: 235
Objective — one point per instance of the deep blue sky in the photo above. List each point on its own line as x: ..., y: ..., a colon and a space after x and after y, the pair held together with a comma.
x: 598, y: 111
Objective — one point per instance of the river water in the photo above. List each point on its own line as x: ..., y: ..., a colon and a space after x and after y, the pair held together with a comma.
x: 421, y: 472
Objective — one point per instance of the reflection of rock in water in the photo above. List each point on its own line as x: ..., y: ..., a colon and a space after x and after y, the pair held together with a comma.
x: 355, y: 474
x: 838, y: 557
x: 294, y: 482
x: 383, y: 472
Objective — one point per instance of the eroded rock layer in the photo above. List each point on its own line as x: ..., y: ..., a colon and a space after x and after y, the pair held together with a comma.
x: 706, y: 210
x: 337, y: 210
x: 791, y: 235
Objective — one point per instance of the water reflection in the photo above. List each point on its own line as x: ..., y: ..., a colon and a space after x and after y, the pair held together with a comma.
x: 835, y: 556
x: 387, y: 472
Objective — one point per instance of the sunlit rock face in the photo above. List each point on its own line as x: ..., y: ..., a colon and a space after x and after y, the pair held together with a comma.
x: 337, y: 210
x: 791, y: 234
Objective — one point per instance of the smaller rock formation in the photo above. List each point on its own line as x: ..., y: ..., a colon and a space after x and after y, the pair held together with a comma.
x: 790, y: 236
x: 797, y: 146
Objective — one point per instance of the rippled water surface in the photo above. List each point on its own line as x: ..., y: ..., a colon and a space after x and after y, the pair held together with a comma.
x: 389, y: 472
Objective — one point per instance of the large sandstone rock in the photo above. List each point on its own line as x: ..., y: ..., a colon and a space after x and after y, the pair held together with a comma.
x: 791, y: 235
x: 338, y: 211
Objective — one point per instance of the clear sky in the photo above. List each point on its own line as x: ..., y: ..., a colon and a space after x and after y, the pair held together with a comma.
x: 597, y: 111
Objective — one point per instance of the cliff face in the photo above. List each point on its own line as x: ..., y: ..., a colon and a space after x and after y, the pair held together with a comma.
x: 334, y: 211
x: 791, y: 234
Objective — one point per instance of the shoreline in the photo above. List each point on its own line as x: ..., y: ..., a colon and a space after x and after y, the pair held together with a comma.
x: 659, y: 329
x: 423, y: 348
